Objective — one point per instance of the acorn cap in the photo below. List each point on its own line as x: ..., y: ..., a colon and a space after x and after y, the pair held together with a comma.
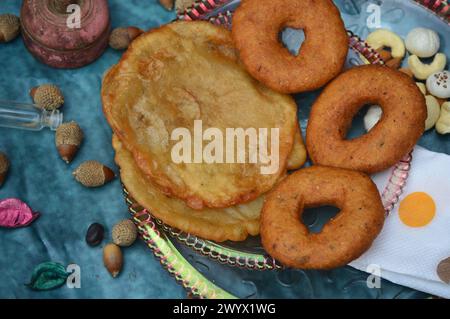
x: 124, y: 233
x: 47, y: 96
x: 121, y: 38
x: 93, y: 174
x: 4, y: 167
x: 9, y: 27
x: 68, y: 139
x: 168, y: 4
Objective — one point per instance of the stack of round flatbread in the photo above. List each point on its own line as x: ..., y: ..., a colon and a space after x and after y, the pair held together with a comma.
x: 170, y: 78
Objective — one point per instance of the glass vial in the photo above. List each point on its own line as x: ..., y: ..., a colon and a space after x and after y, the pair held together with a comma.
x: 28, y: 117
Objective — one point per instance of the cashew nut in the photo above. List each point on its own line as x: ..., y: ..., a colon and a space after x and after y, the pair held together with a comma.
x: 434, y: 110
x: 422, y: 42
x: 385, y: 38
x: 421, y: 70
x: 422, y: 87
x: 372, y: 117
x: 443, y: 124
x: 438, y: 84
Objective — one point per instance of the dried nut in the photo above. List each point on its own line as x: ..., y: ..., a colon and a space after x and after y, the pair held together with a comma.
x: 182, y: 5
x: 372, y: 117
x: 421, y: 70
x: 443, y: 124
x: 68, y: 139
x: 422, y: 42
x: 438, y: 84
x: 47, y: 96
x: 384, y: 38
x: 113, y: 259
x: 394, y: 63
x: 168, y: 4
x: 422, y: 87
x: 4, y: 167
x: 121, y: 38
x: 124, y: 233
x: 93, y: 174
x: 407, y: 71
x: 441, y: 101
x: 95, y: 234
x: 9, y: 27
x: 434, y: 110
x: 384, y: 54
x: 443, y: 270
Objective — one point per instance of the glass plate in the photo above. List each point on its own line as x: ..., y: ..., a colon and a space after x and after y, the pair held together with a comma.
x: 227, y: 270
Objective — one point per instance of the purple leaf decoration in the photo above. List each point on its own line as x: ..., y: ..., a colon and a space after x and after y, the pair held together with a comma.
x: 14, y: 213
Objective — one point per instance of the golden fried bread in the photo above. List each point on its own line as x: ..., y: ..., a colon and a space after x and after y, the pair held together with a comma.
x: 233, y: 223
x: 187, y: 71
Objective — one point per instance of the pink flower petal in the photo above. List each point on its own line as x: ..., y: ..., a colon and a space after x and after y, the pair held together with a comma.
x: 14, y: 213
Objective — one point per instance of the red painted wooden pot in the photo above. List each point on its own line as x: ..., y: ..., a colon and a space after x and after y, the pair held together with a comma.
x: 64, y: 39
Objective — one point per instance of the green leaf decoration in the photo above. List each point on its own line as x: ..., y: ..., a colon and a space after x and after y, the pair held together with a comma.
x: 48, y: 276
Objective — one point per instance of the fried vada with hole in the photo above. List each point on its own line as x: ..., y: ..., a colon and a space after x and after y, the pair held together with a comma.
x: 256, y: 28
x: 343, y: 239
x: 394, y: 136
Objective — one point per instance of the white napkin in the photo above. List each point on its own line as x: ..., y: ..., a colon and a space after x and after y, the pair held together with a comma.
x: 406, y: 255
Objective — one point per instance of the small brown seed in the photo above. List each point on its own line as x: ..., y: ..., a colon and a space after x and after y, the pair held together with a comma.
x: 121, y: 38
x: 394, y: 63
x: 443, y: 270
x: 68, y: 139
x: 113, y: 259
x: 93, y: 174
x: 4, y: 167
x: 124, y: 233
x: 168, y: 4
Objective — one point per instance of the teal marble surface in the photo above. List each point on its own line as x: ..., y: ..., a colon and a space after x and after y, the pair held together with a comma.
x: 45, y: 182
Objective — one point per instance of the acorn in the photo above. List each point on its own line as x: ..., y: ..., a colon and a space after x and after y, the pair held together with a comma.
x: 68, y: 139
x: 9, y: 27
x: 121, y: 38
x: 124, y: 233
x: 4, y: 167
x: 113, y: 259
x: 93, y: 174
x: 47, y: 96
x: 182, y: 5
x: 168, y: 4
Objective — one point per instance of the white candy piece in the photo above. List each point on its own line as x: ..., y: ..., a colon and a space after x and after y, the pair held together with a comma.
x: 438, y: 84
x: 443, y: 124
x: 372, y: 117
x: 434, y: 111
x: 423, y: 42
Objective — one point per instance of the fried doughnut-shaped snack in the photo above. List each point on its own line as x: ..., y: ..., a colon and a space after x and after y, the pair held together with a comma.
x: 342, y: 239
x: 256, y: 28
x: 401, y: 125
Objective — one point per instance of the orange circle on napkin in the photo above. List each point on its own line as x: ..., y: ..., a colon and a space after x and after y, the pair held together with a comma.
x: 417, y: 209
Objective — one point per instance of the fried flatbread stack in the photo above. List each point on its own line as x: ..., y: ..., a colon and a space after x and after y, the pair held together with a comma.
x: 168, y: 79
